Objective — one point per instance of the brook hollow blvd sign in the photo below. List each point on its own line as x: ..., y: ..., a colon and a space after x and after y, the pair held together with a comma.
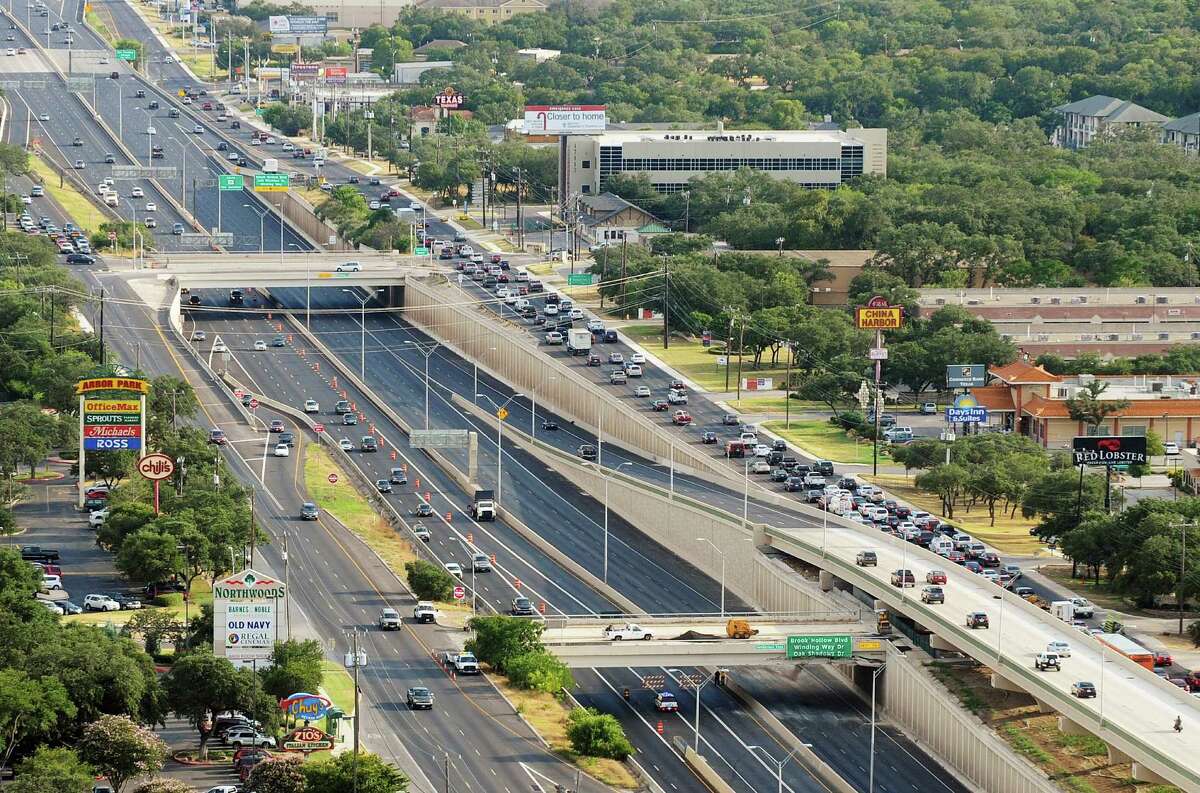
x: 834, y: 646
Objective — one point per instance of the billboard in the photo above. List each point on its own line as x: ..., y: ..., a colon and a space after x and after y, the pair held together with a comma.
x: 304, y: 71
x: 335, y: 74
x: 245, y: 617
x: 758, y: 383
x: 297, y: 26
x: 565, y: 119
x: 112, y: 423
x: 965, y: 375
x: 449, y: 99
x: 1110, y: 450
x: 878, y: 315
x: 966, y: 411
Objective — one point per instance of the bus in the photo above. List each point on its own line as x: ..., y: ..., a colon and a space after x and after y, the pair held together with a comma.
x: 1130, y: 649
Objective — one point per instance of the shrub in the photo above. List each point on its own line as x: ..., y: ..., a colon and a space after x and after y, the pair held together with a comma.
x: 428, y: 581
x: 538, y: 671
x: 597, y: 734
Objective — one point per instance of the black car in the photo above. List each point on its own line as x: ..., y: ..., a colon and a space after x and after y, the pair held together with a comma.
x: 779, y: 474
x: 521, y: 607
x: 383, y: 485
x: 80, y: 258
x: 708, y: 437
x: 779, y: 445
x: 308, y: 511
x: 730, y: 420
x: 547, y: 424
x: 375, y: 181
x: 352, y: 180
x: 587, y: 451
x: 139, y: 93
x: 419, y: 698
x: 775, y: 458
x: 153, y: 105
x: 173, y: 113
x: 794, y: 484
x: 110, y: 159
x: 824, y: 467
x: 1083, y: 690
x: 127, y: 602
x: 222, y: 146
x: 848, y: 483
x: 235, y: 125
x: 288, y: 437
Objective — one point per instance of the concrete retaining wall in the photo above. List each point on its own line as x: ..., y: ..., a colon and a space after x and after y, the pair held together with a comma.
x: 439, y: 310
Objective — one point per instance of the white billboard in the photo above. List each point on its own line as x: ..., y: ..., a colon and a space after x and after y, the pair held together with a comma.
x: 564, y: 119
x: 246, y: 617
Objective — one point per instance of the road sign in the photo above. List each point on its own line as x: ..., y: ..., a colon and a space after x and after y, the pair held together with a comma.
x: 143, y: 172
x: 877, y: 354
x: 502, y: 414
x: 127, y: 55
x: 971, y: 375
x: 460, y: 592
x: 878, y: 317
x: 80, y: 83
x: 112, y: 236
x: 318, y: 428
x: 230, y: 181
x: 832, y: 646
x: 579, y: 279
x: 332, y: 479
x: 1110, y: 450
x: 156, y: 466
x: 438, y: 439
x: 239, y: 393
x: 421, y: 251
x: 254, y: 404
x: 271, y: 182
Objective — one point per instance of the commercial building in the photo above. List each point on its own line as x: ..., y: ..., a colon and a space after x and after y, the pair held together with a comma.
x: 410, y: 73
x: 1096, y: 115
x: 821, y: 159
x: 608, y: 218
x: 348, y: 14
x: 1031, y: 401
x: 488, y: 12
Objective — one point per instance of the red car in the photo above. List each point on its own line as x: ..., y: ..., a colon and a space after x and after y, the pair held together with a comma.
x: 935, y: 577
x: 958, y: 557
x: 681, y: 417
x: 1163, y: 659
x: 659, y: 405
x: 1193, y: 680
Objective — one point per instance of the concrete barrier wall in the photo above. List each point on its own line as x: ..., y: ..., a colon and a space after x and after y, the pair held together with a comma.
x: 928, y: 713
x: 439, y: 310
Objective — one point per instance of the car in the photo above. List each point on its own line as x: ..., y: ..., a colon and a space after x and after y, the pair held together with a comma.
x: 217, y: 437
x: 641, y: 391
x: 522, y: 607
x: 282, y: 450
x: 44, y: 117
x: 866, y: 559
x: 548, y: 424
x: 1059, y: 647
x: 346, y: 445
x: 1163, y: 658
x: 349, y: 419
x: 419, y: 698
x: 219, y: 346
x: 68, y: 608
x: 349, y: 267
x: 1170, y: 448
x: 368, y: 443
x: 342, y: 406
x: 586, y: 451
x: 97, y: 517
x: 933, y: 594
x: 151, y: 206
x: 197, y: 130
x: 246, y: 736
x: 660, y: 405
x: 37, y: 191
x: 276, y: 425
x: 260, y: 345
x: 977, y: 619
x: 80, y: 258
x: 383, y: 485
x: 1083, y: 690
x: 280, y: 340
x: 903, y: 578
x: 79, y: 165
x: 935, y: 577
x: 397, y: 476
x: 420, y: 532
x: 11, y: 51
x: 708, y: 437
x: 127, y: 602
x: 423, y: 510
x: 177, y: 229
x: 137, y: 192
x: 312, y: 406
x: 1047, y: 660
x: 760, y: 467
x: 454, y: 569
x: 151, y: 223
x: 100, y: 603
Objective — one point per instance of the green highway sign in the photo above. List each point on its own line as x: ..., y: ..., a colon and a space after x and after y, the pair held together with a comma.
x: 260, y: 111
x: 127, y: 55
x: 421, y: 251
x: 230, y: 181
x: 579, y: 279
x: 271, y: 182
x: 770, y: 646
x: 835, y: 646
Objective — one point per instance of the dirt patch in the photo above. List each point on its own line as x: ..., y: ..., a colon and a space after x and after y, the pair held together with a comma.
x: 1077, y: 763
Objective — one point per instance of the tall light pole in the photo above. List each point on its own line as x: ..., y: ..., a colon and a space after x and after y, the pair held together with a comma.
x: 779, y: 764
x: 182, y: 173
x: 698, y: 682
x: 606, y: 478
x: 501, y: 414
x: 262, y: 227
x: 746, y: 495
x: 718, y: 550
x: 871, y: 772
x: 362, y: 353
x: 422, y: 349
x: 355, y: 659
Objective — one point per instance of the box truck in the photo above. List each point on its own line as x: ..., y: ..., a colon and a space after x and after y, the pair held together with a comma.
x: 579, y: 341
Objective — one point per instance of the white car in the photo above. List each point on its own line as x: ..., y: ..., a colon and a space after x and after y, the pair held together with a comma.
x: 219, y: 346
x: 373, y: 205
x: 260, y: 346
x: 641, y: 391
x: 550, y: 310
x: 576, y: 314
x: 136, y: 193
x: 26, y: 200
x: 10, y: 51
x: 346, y: 445
x: 52, y: 607
x: 51, y: 582
x: 762, y: 450
x: 96, y: 519
x: 282, y: 450
x: 199, y: 335
x: 100, y: 603
x: 198, y: 130
x: 760, y: 467
x: 151, y: 206
x: 454, y: 569
x: 350, y: 267
x: 312, y: 406
x: 415, y: 206
x: 246, y: 736
x: 637, y: 357
x: 288, y: 147
x: 44, y: 117
x: 151, y: 131
x: 1171, y: 448
x: 1061, y: 648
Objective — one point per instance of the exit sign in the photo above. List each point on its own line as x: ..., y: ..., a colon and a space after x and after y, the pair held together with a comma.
x: 227, y: 182
x: 269, y: 182
x: 579, y: 279
x: 127, y: 55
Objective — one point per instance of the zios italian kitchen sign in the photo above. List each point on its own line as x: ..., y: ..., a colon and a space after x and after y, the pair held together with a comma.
x: 307, y: 739
x: 246, y: 617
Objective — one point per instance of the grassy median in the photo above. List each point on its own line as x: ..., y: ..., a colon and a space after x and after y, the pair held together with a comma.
x: 76, y: 205
x: 827, y: 442
x: 695, y: 361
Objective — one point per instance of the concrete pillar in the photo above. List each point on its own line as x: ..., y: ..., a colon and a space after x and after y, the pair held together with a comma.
x: 1117, y: 757
x: 1004, y: 684
x: 472, y: 456
x: 937, y: 642
x: 826, y: 580
x: 1068, y: 727
x: 1043, y: 707
x: 1143, y: 774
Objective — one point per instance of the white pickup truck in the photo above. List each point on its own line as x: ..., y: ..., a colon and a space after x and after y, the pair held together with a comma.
x: 627, y: 631
x: 465, y: 664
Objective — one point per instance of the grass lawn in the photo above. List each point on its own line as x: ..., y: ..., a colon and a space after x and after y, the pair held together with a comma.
x: 104, y: 31
x: 549, y: 718
x: 353, y: 510
x: 338, y: 685
x: 1009, y: 535
x: 692, y: 359
x: 825, y: 441
x: 541, y: 268
x: 1102, y: 594
x: 201, y: 594
x: 83, y: 212
x: 199, y: 61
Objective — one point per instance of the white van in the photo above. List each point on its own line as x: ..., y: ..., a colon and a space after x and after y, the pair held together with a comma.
x: 522, y: 304
x: 941, y: 545
x: 111, y: 199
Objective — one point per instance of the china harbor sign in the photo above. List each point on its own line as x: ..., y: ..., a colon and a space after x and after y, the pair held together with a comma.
x: 246, y: 617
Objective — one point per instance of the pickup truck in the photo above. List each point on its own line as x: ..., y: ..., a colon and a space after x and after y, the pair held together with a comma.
x: 627, y: 631
x: 1083, y: 608
x: 389, y: 620
x: 424, y: 612
x: 36, y: 553
x: 465, y: 664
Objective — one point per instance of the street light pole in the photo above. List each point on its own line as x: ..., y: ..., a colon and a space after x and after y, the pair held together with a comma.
x: 262, y: 227
x: 606, y: 478
x: 779, y: 764
x: 499, y: 435
x: 694, y: 680
x: 362, y: 355
x: 432, y: 349
x: 718, y: 550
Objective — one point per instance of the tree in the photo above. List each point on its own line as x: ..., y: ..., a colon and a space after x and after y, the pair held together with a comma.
x: 1060, y: 500
x: 155, y: 626
x: 335, y: 774
x: 295, y: 667
x: 500, y: 638
x: 1088, y: 407
x: 121, y: 749
x: 52, y: 770
x: 200, y: 684
x: 597, y: 734
x: 428, y: 581
x: 282, y: 774
x: 947, y: 481
x: 539, y: 671
x: 30, y: 708
x: 148, y: 555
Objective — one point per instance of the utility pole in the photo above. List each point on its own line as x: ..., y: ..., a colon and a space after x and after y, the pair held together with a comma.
x: 520, y: 217
x: 741, y: 343
x: 252, y: 532
x: 355, y: 659
x: 666, y: 303
x: 728, y: 346
x: 447, y: 766
x: 1183, y: 528
x: 102, y: 327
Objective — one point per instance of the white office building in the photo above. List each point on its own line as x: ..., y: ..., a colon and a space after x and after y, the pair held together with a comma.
x: 820, y: 158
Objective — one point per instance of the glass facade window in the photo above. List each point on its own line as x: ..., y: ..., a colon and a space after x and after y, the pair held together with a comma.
x: 612, y: 161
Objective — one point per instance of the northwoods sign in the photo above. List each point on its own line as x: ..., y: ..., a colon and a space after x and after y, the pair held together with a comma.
x: 248, y: 585
x: 1110, y: 450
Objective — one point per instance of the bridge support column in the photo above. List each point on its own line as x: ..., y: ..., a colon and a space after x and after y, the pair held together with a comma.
x: 472, y: 456
x: 1043, y: 707
x: 1004, y: 684
x: 1116, y: 757
x: 1068, y: 727
x: 825, y: 578
x: 937, y: 642
x: 1143, y: 774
